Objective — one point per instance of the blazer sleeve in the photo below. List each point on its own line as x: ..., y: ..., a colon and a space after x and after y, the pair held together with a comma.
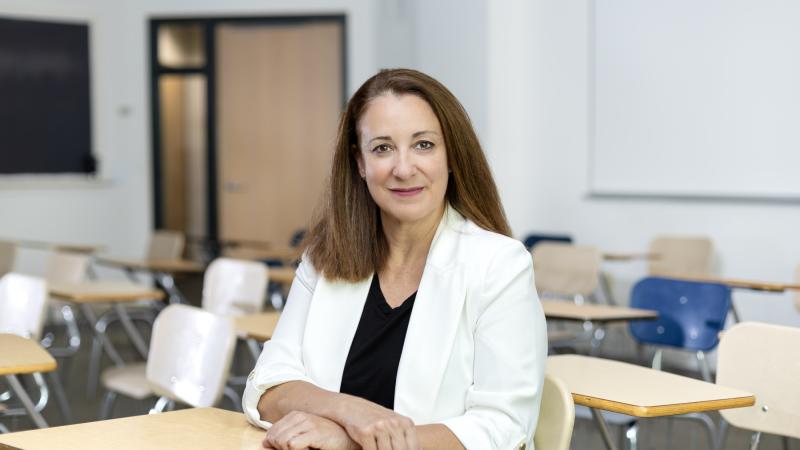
x: 281, y: 359
x: 510, y: 336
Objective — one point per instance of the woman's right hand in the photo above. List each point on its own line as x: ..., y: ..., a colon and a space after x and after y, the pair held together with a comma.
x: 374, y: 427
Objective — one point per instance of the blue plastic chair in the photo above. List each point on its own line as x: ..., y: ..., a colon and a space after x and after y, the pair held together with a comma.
x: 691, y: 314
x: 533, y: 239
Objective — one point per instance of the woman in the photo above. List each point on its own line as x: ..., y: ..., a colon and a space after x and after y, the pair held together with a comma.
x: 413, y: 321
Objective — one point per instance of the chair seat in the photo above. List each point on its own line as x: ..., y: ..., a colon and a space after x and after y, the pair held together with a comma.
x: 128, y: 380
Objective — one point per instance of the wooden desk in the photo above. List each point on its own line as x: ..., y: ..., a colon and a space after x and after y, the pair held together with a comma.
x: 257, y: 326
x: 18, y: 356
x: 93, y: 292
x: 198, y: 428
x: 282, y: 275
x: 566, y: 310
x: 612, y: 256
x: 288, y: 255
x: 58, y: 246
x: 163, y: 270
x: 736, y: 283
x: 638, y: 391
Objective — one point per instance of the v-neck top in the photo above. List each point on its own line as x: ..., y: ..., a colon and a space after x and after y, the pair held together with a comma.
x: 370, y: 370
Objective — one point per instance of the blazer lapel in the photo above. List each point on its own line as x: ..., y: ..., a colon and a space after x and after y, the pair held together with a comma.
x: 330, y: 327
x: 433, y: 324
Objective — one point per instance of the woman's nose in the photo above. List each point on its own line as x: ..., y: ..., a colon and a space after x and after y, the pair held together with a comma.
x: 405, y: 164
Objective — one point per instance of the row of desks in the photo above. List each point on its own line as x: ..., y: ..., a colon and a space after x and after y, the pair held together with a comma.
x: 613, y: 386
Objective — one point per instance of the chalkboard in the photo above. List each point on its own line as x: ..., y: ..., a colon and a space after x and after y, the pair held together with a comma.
x: 697, y: 98
x: 45, y: 101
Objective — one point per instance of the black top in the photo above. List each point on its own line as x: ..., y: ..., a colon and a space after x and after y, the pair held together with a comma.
x: 370, y: 370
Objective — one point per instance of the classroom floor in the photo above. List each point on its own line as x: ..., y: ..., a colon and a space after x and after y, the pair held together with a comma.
x: 654, y: 433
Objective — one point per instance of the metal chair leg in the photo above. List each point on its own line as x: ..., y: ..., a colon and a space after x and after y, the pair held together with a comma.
x: 107, y: 407
x: 632, y: 435
x: 754, y: 440
x: 722, y: 435
x: 61, y: 397
x: 160, y: 405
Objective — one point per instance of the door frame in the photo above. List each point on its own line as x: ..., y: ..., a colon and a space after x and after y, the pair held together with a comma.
x: 208, y: 70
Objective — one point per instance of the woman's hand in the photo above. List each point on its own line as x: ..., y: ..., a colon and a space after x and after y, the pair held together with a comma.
x: 374, y: 427
x: 301, y: 431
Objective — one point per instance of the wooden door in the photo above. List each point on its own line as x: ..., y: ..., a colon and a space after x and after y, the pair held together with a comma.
x: 279, y: 96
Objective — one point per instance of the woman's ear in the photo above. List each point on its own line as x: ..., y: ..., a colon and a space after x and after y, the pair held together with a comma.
x: 360, y: 161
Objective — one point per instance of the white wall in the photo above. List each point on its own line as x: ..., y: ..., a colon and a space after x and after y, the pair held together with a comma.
x: 116, y: 211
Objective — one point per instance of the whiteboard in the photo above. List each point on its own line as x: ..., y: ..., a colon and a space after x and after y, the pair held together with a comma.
x: 695, y: 98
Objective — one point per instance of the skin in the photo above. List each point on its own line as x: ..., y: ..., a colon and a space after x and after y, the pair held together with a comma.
x: 403, y: 161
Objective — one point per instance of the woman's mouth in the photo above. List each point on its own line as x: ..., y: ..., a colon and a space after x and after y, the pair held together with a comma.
x: 406, y: 192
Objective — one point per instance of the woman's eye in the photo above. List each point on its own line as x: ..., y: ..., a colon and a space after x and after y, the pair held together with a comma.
x: 425, y: 145
x: 382, y: 148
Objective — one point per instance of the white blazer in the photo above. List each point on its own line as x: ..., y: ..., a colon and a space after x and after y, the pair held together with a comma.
x: 475, y: 349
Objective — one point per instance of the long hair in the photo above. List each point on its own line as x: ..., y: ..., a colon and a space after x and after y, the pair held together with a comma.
x: 346, y: 240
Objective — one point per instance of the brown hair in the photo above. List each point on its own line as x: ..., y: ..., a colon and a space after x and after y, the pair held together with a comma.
x: 346, y: 240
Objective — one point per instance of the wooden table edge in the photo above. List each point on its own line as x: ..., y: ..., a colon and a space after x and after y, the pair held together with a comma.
x: 663, y: 410
x: 30, y: 368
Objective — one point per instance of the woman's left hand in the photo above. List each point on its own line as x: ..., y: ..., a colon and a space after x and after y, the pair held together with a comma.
x: 300, y: 431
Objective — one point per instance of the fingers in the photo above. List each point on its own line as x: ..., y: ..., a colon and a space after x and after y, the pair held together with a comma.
x: 284, y: 434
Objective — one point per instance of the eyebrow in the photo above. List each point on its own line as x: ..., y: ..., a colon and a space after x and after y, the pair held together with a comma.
x: 416, y: 134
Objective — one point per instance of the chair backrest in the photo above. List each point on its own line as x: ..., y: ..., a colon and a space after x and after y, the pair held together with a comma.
x: 63, y: 267
x: 532, y: 239
x: 190, y: 355
x: 234, y: 287
x: 23, y: 301
x: 8, y: 254
x: 166, y: 245
x: 682, y: 255
x: 564, y: 269
x: 797, y: 293
x: 763, y: 359
x: 690, y: 314
x: 556, y: 416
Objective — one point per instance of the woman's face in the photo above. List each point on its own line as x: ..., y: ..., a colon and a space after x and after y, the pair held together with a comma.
x: 403, y: 159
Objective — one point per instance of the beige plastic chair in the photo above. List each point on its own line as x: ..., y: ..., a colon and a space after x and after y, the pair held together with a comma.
x: 23, y: 304
x: 65, y: 267
x: 565, y: 270
x: 233, y: 287
x: 682, y: 255
x: 166, y: 245
x: 556, y: 416
x: 8, y: 254
x: 23, y: 301
x: 763, y: 359
x: 189, y: 360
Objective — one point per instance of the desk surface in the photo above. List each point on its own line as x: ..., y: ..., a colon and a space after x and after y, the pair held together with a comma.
x: 103, y: 291
x: 282, y: 275
x: 737, y: 283
x: 154, y: 265
x: 185, y: 429
x: 257, y: 326
x: 640, y: 391
x: 57, y: 246
x: 613, y: 256
x: 19, y: 355
x: 566, y: 310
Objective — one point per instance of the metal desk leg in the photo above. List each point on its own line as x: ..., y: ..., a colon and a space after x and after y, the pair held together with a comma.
x: 601, y: 425
x: 131, y: 331
x: 101, y: 336
x: 20, y: 392
x: 167, y: 282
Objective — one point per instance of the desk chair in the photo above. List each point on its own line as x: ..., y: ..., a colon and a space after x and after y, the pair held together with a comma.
x: 762, y: 358
x: 234, y: 287
x: 23, y: 304
x: 690, y: 317
x: 8, y: 254
x: 65, y: 268
x: 681, y: 255
x: 556, y: 416
x: 188, y: 362
x: 566, y: 271
x: 166, y: 244
x: 532, y: 239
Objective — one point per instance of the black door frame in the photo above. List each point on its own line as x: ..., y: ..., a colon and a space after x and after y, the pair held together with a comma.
x: 207, y: 70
